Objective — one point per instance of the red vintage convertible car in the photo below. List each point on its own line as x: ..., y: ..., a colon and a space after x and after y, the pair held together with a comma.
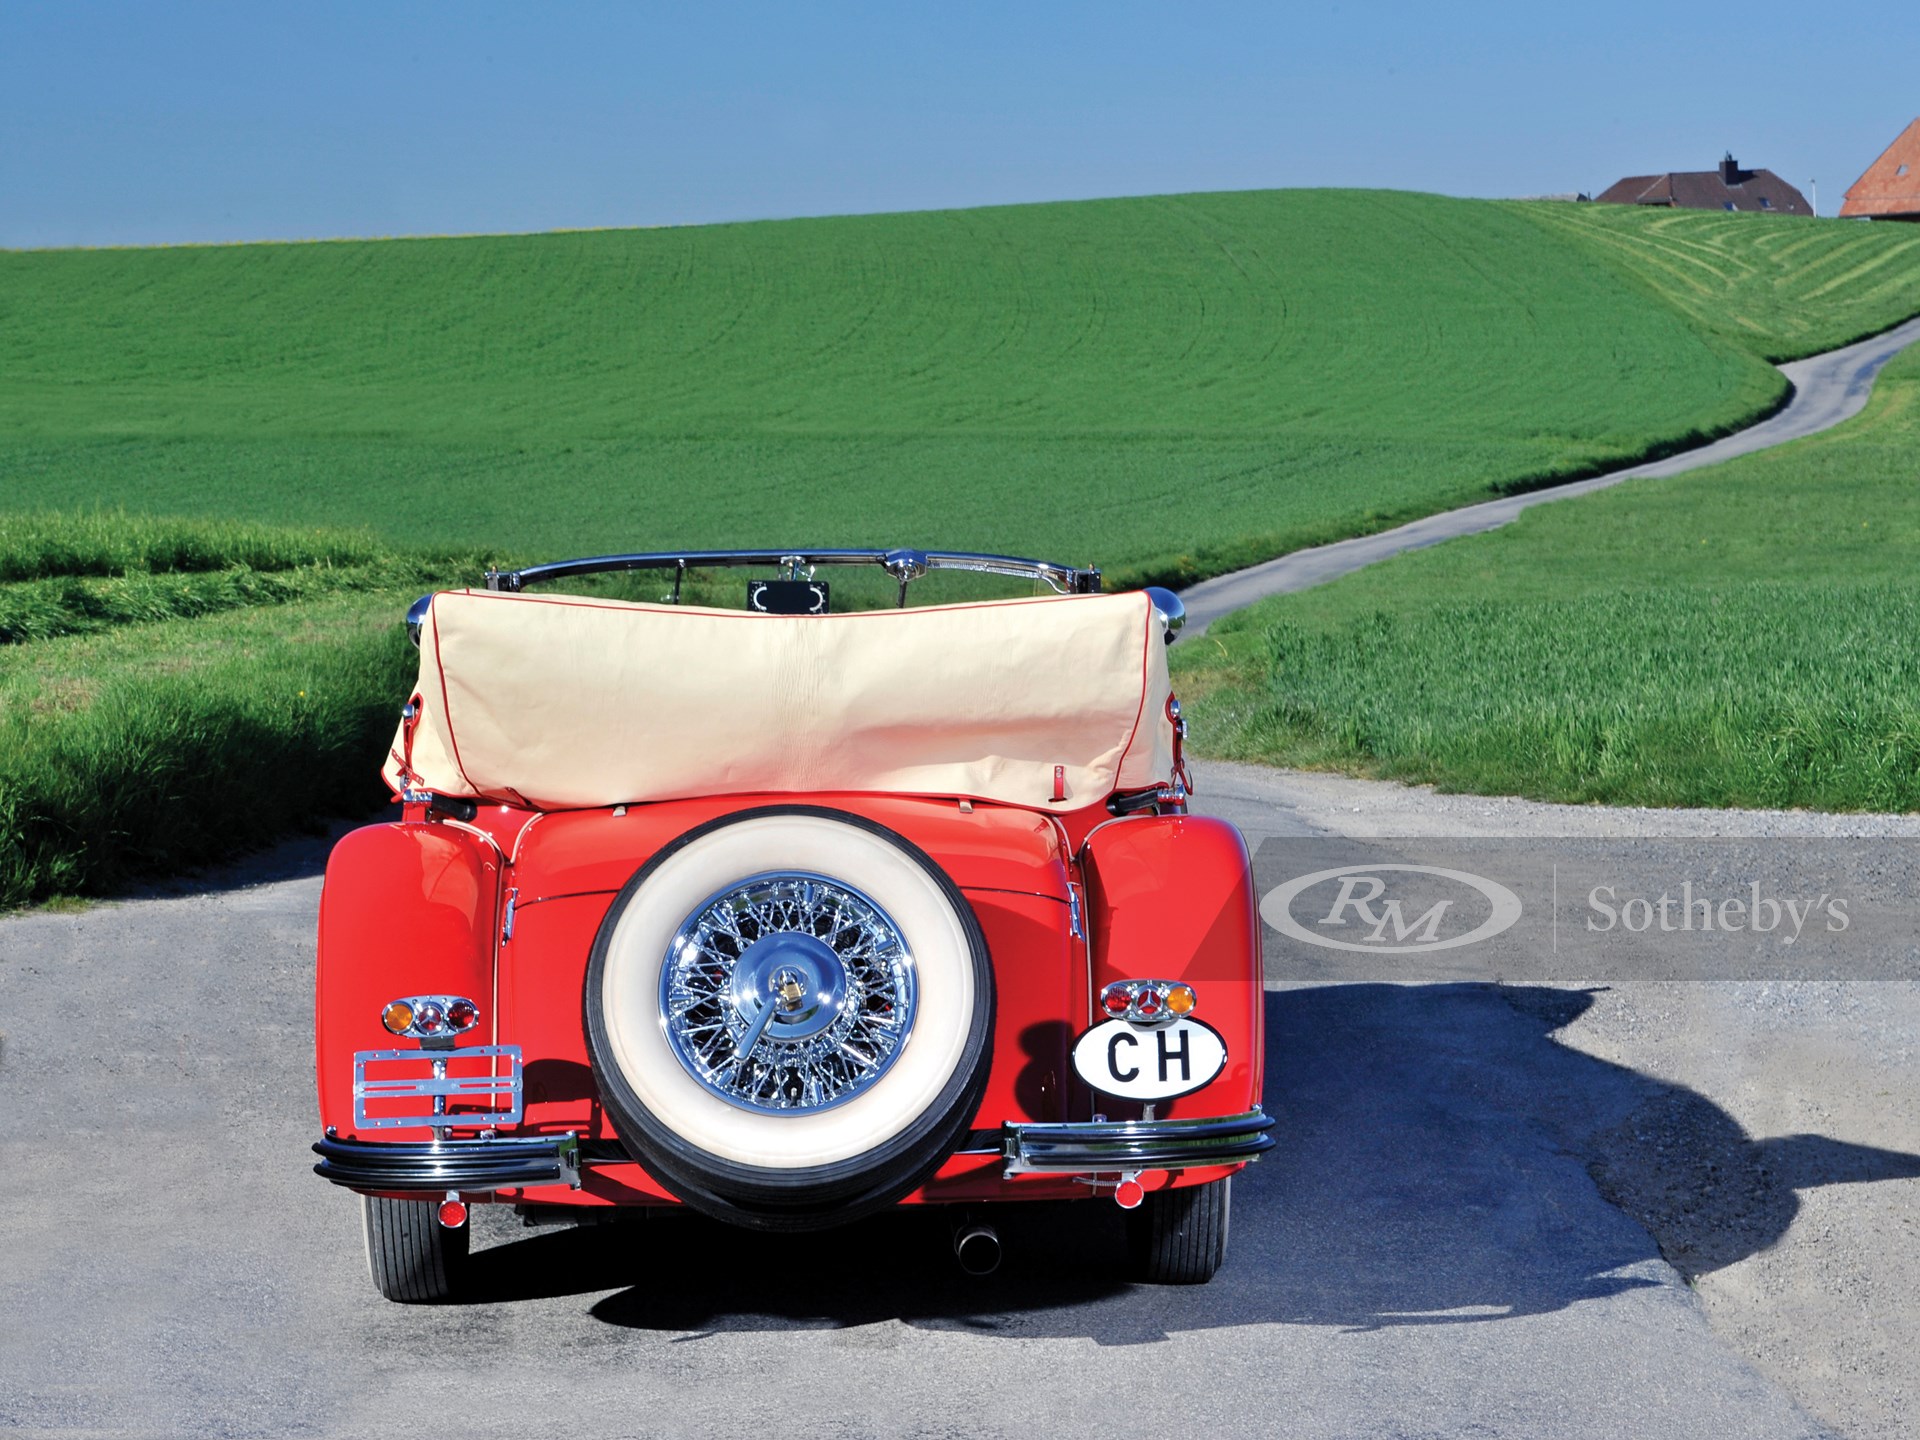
x: 789, y: 916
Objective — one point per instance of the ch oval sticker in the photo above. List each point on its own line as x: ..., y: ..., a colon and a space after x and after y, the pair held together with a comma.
x: 1149, y: 1062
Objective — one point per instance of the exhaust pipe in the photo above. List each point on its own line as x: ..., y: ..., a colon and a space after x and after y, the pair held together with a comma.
x: 976, y: 1245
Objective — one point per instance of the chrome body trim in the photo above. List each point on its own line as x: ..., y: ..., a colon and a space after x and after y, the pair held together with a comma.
x: 1121, y: 818
x: 905, y: 566
x: 440, y: 1088
x: 1115, y: 1146
x: 461, y: 1166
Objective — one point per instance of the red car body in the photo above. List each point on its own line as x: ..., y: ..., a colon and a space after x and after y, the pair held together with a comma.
x: 502, y: 903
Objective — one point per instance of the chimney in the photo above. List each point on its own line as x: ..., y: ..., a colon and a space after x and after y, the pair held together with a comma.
x: 1729, y: 171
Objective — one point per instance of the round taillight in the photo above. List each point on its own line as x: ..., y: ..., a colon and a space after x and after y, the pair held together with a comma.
x: 429, y: 1019
x: 1148, y: 1002
x: 1181, y: 999
x: 463, y: 1014
x: 397, y: 1017
x: 1115, y: 1001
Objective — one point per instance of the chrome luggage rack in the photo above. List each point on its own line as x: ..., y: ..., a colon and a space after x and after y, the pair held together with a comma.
x: 905, y: 566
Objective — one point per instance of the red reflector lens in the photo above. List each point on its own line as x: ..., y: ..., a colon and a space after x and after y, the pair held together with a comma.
x: 1128, y: 1194
x: 429, y: 1019
x: 1148, y: 1003
x: 463, y: 1014
x: 453, y: 1213
x: 1115, y: 1002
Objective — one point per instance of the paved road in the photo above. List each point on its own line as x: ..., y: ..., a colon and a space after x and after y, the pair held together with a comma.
x: 1827, y: 389
x: 1426, y: 1255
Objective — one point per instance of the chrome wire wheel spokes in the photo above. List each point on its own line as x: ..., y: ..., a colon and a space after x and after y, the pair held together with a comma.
x: 787, y: 992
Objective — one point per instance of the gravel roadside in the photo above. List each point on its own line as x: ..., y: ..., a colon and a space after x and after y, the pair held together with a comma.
x: 1778, y: 1167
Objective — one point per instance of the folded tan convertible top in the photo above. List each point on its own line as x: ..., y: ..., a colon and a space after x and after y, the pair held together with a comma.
x: 562, y: 702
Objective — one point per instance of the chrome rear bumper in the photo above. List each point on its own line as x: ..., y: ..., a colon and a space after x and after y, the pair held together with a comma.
x: 464, y: 1165
x: 1075, y: 1148
x: 1108, y: 1146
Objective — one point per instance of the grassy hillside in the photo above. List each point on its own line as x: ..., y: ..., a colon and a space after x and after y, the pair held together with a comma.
x: 1737, y: 636
x: 1171, y: 385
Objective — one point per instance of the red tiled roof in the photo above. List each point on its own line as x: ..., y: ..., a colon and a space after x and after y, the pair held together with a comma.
x: 1891, y: 185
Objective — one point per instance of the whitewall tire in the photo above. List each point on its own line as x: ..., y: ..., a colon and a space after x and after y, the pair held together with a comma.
x: 789, y: 1012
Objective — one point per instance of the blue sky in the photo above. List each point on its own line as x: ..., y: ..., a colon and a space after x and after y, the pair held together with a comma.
x: 151, y: 123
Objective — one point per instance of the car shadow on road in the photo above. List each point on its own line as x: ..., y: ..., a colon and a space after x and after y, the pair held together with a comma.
x: 302, y: 856
x: 1442, y: 1160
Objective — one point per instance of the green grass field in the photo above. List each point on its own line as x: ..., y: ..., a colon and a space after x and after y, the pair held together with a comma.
x: 1172, y: 386
x: 1742, y: 635
x: 1169, y: 387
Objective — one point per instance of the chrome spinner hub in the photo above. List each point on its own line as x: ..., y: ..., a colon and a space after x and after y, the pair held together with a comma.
x: 797, y: 974
x: 787, y: 992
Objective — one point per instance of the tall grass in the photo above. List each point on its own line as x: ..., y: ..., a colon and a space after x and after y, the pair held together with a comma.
x: 172, y: 692
x: 1762, y: 695
x: 40, y: 544
x: 150, y: 750
x: 75, y: 605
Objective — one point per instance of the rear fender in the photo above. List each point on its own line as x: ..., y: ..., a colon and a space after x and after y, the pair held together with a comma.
x: 1170, y: 897
x: 406, y: 909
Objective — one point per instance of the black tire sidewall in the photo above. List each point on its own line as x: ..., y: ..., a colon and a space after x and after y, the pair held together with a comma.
x: 804, y: 1197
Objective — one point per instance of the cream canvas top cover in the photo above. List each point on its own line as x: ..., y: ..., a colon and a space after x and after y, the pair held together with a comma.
x: 562, y: 702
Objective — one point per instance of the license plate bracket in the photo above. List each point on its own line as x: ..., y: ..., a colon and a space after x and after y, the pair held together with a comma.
x: 453, y: 1076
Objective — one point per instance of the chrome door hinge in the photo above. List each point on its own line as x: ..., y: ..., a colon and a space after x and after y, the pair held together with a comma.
x: 506, y: 922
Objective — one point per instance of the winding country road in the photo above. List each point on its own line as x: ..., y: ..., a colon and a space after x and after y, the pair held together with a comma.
x: 1827, y: 389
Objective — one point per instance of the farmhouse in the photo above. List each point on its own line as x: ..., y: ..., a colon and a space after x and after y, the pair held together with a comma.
x: 1890, y: 190
x: 1727, y: 188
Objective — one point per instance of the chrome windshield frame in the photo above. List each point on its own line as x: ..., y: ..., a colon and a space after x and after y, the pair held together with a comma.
x: 905, y: 566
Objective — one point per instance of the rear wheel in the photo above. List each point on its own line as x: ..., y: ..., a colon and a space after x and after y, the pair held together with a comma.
x: 789, y: 1012
x: 1179, y: 1237
x: 413, y: 1257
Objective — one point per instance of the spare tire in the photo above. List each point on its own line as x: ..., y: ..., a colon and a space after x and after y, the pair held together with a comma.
x: 789, y: 1012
